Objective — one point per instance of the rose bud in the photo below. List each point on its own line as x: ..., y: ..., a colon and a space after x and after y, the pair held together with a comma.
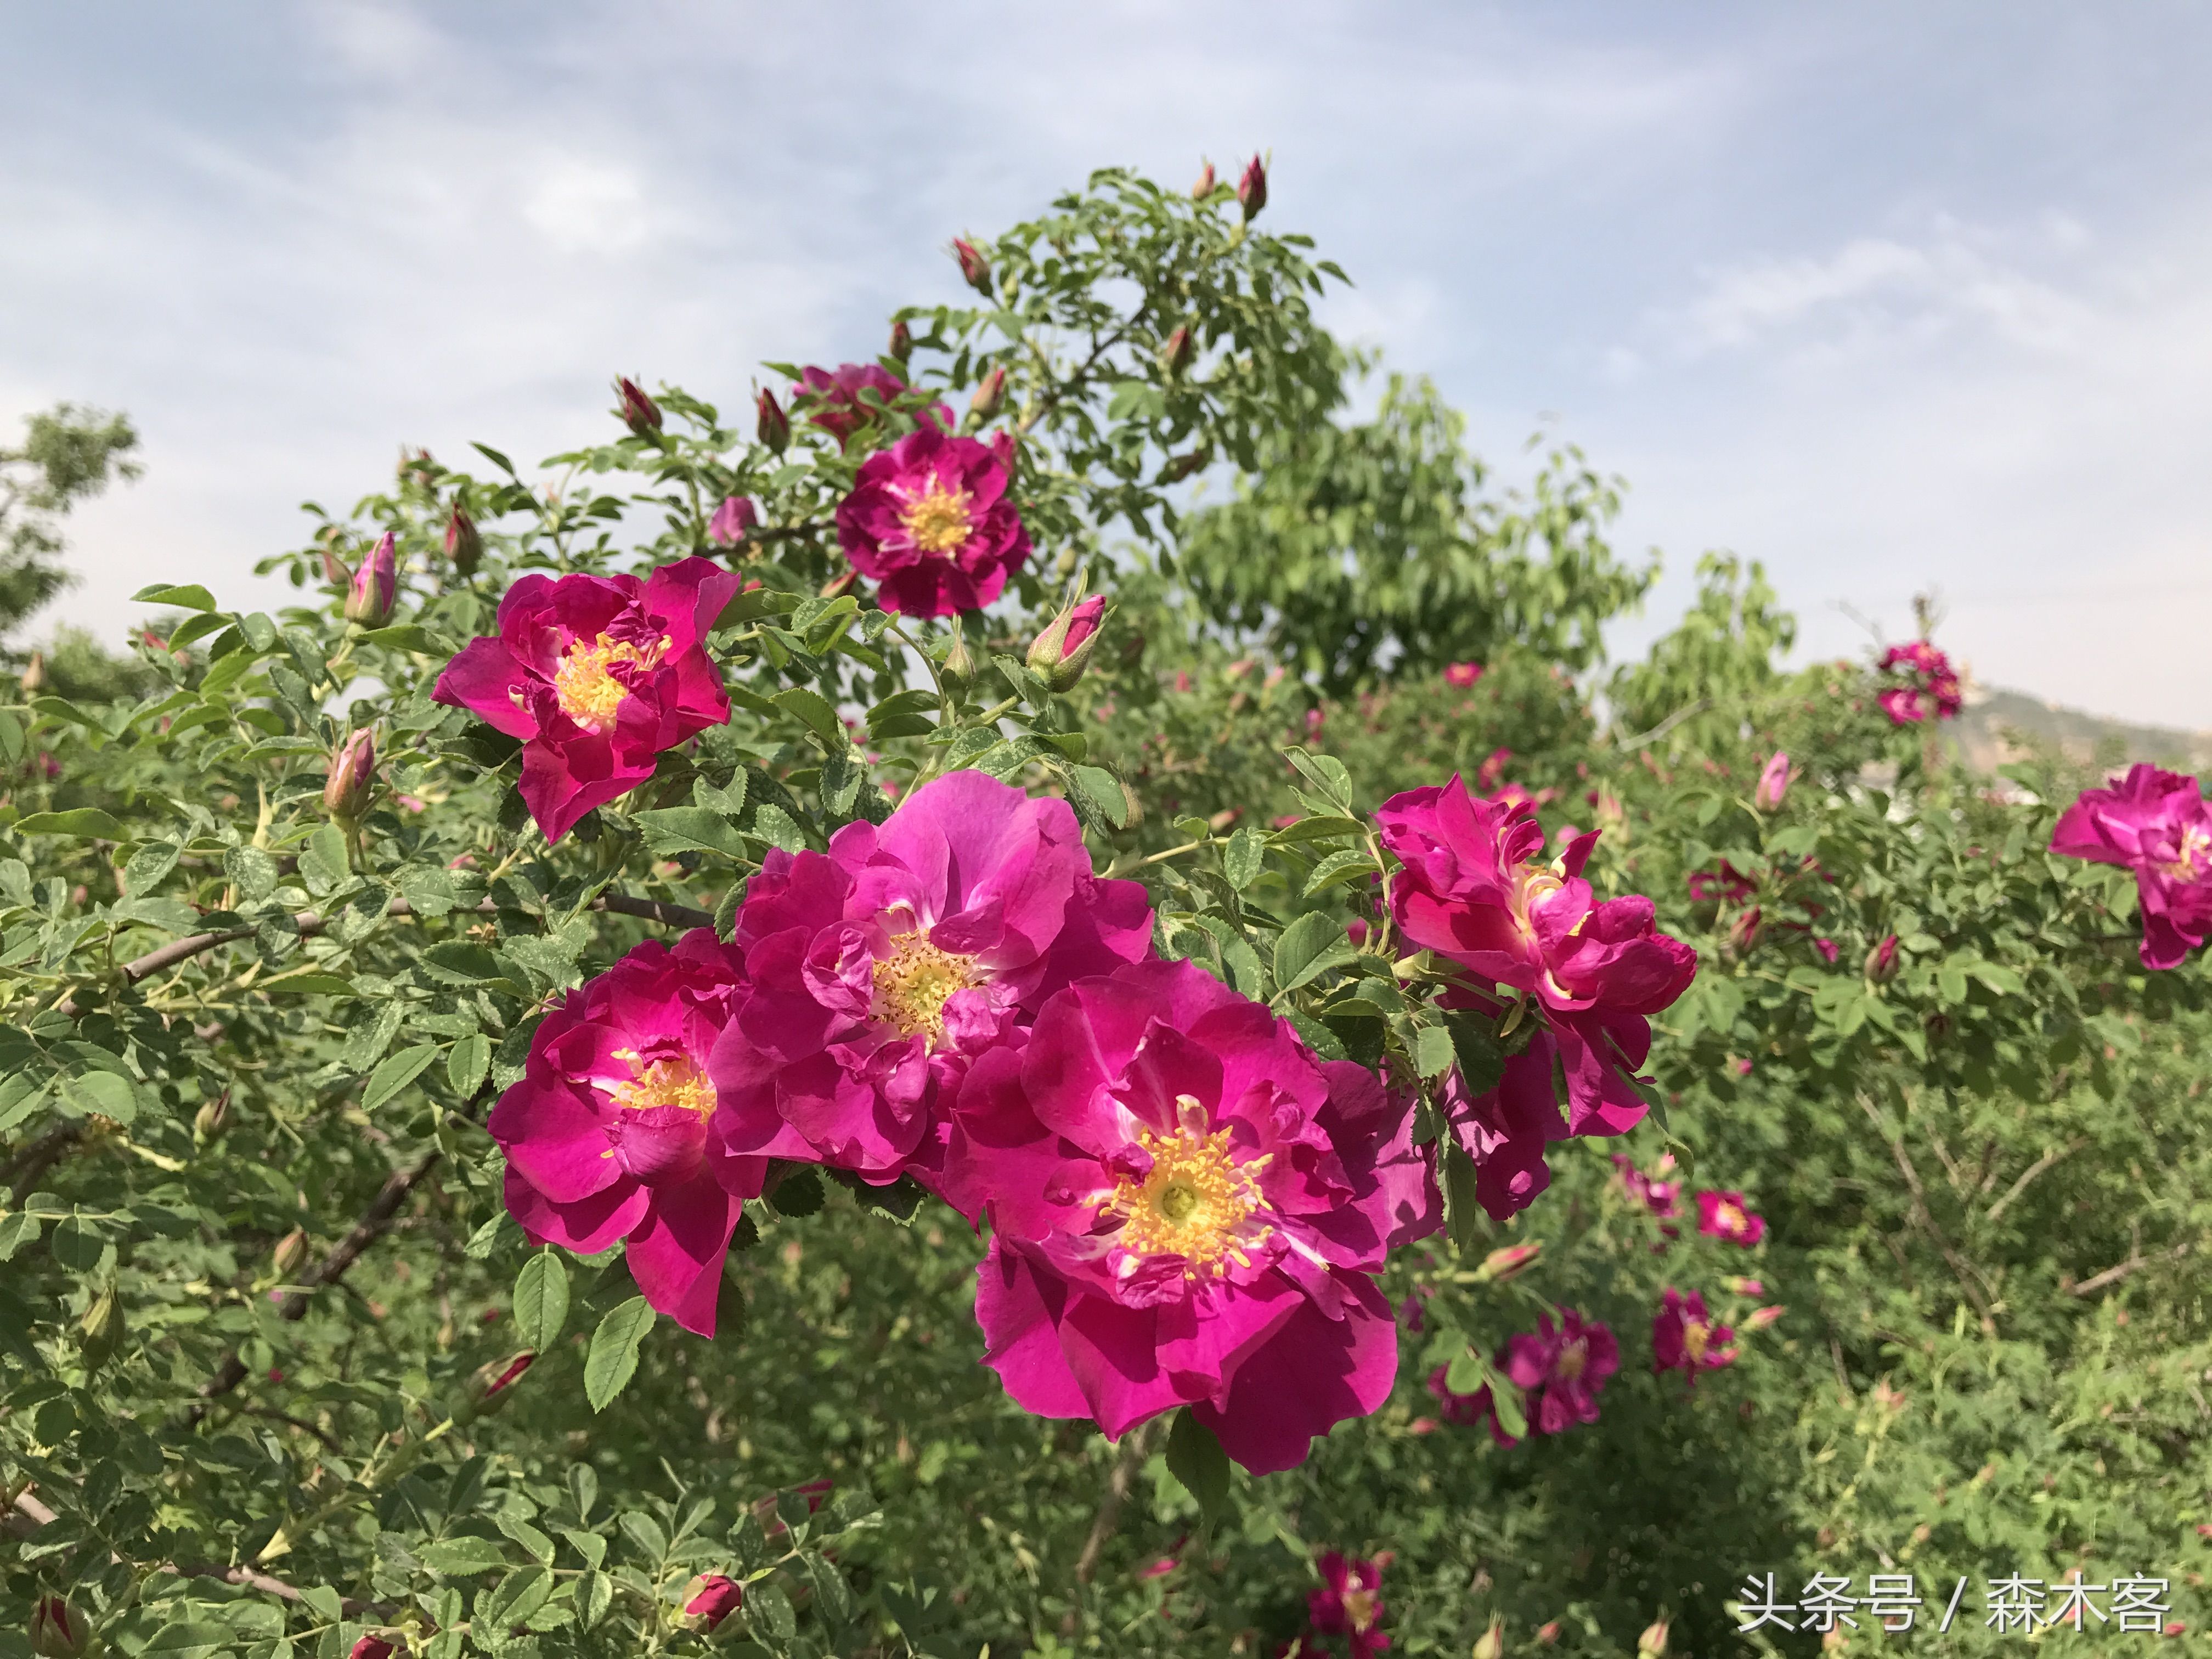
x: 212, y: 1118
x: 973, y: 266
x: 336, y: 573
x: 1252, y: 189
x: 1501, y: 1265
x: 774, y: 426
x: 990, y: 396
x: 1653, y: 1642
x: 1060, y: 654
x: 1773, y: 782
x: 959, y: 667
x: 290, y: 1251
x: 352, y: 778
x: 1742, y: 933
x: 1759, y: 1318
x: 1175, y: 356
x: 35, y: 672
x: 488, y: 1390
x: 464, y: 546
x: 733, y: 520
x: 639, y: 412
x: 375, y: 1645
x: 901, y: 345
x: 1490, y: 1645
x: 100, y: 1333
x: 709, y: 1599
x: 1204, y: 187
x: 1882, y: 961
x: 375, y: 587
x: 1547, y: 1634
x: 57, y: 1631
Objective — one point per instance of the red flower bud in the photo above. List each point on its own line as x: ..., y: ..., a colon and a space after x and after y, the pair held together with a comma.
x: 974, y: 265
x: 1743, y: 933
x: 990, y: 396
x: 1882, y: 963
x: 489, y: 1386
x: 901, y: 345
x: 464, y: 546
x: 733, y: 520
x: 373, y: 1646
x: 1508, y: 1262
x: 1252, y: 189
x: 1547, y: 1634
x: 1490, y: 1645
x: 710, y: 1599
x: 1653, y: 1642
x: 352, y: 778
x: 375, y: 586
x: 1060, y: 654
x: 1175, y: 356
x: 639, y: 412
x: 774, y: 426
x: 1204, y: 187
x: 57, y: 1630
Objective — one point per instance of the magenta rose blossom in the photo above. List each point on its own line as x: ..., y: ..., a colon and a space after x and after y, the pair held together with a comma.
x: 1725, y: 1215
x: 1461, y: 675
x: 1466, y: 1410
x: 1684, y: 1338
x: 929, y: 520
x: 2156, y: 824
x: 1569, y: 1362
x: 597, y: 675
x: 1506, y: 1130
x: 1188, y: 1208
x: 831, y: 398
x: 1930, y: 688
x: 882, y: 968
x: 1349, y: 1603
x: 1472, y: 891
x: 609, y: 1135
x: 1662, y: 1198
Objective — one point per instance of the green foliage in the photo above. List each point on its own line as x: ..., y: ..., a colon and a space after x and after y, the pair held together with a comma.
x: 67, y: 454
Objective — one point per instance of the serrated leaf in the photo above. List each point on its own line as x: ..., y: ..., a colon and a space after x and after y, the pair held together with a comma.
x: 1195, y: 1458
x: 1481, y: 1057
x: 81, y: 821
x: 685, y: 829
x: 612, y: 1360
x: 1242, y: 860
x: 188, y: 597
x: 1433, y: 1051
x: 394, y: 1073
x: 460, y: 1556
x: 541, y: 1299
x: 149, y: 866
x: 466, y: 1066
x: 1101, y: 791
x: 813, y: 710
x: 518, y: 1595
x: 1308, y: 947
x: 407, y: 636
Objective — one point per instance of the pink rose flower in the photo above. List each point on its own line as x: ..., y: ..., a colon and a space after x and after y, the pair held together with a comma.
x: 733, y: 520
x: 1827, y: 947
x: 1349, y: 1602
x: 2156, y: 824
x: 929, y: 520
x: 1504, y: 1131
x: 1724, y: 1215
x: 1466, y: 1410
x: 1774, y: 778
x: 1188, y: 1209
x: 609, y: 1133
x: 1472, y: 892
x: 1662, y: 1198
x: 1569, y: 1362
x: 713, y: 1599
x: 1930, y: 689
x: 1903, y: 704
x: 1727, y: 885
x: 1684, y: 1338
x: 597, y: 675
x: 831, y: 399
x: 1462, y: 674
x: 881, y: 969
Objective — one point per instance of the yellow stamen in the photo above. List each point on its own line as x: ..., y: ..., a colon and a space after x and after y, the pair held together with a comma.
x: 1196, y: 1202
x: 589, y: 693
x: 2192, y: 856
x: 938, y: 521
x: 1730, y: 1218
x: 674, y: 1080
x: 1696, y: 1333
x: 1572, y: 1360
x: 913, y: 983
x: 1359, y: 1608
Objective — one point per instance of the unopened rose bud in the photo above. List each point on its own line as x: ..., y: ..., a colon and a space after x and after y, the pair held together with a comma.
x: 34, y: 674
x: 1547, y: 1632
x: 1059, y: 655
x: 733, y: 520
x: 1204, y: 187
x: 772, y: 426
x: 990, y: 396
x: 1252, y: 189
x: 377, y: 1644
x: 291, y: 1250
x: 1501, y: 1265
x: 416, y: 467
x: 375, y: 586
x: 1742, y: 933
x: 489, y: 1388
x: 1653, y: 1642
x: 1490, y: 1645
x: 710, y: 1598
x: 1746, y: 1286
x: 464, y: 546
x: 1175, y: 356
x: 901, y: 345
x: 1882, y: 961
x: 1759, y: 1318
x: 100, y: 1333
x: 639, y: 412
x: 840, y: 583
x: 59, y: 1630
x: 336, y: 573
x: 352, y: 778
x: 959, y: 667
x: 212, y: 1118
x: 1773, y: 782
x: 975, y: 267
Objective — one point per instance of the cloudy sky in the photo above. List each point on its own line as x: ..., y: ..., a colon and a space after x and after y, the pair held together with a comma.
x: 1886, y: 295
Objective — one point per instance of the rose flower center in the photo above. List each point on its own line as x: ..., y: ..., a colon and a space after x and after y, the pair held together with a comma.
x: 913, y: 983
x: 1572, y: 1358
x: 1359, y: 1608
x: 1196, y: 1202
x: 1532, y: 884
x: 590, y: 694
x: 2190, y: 857
x: 1731, y: 1219
x: 1696, y: 1334
x: 672, y: 1080
x: 938, y: 521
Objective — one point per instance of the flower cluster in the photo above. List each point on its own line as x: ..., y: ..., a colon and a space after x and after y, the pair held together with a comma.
x: 1925, y: 686
x: 1573, y: 979
x: 2157, y: 824
x: 1347, y: 1603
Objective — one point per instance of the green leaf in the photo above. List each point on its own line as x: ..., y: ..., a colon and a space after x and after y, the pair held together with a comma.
x: 1101, y: 791
x: 1481, y: 1057
x: 407, y: 636
x: 149, y: 866
x: 518, y: 1595
x: 103, y: 1093
x: 1241, y: 860
x: 17, y: 1229
x: 394, y: 1073
x: 1195, y: 1458
x: 190, y: 1640
x: 1318, y: 828
x: 1433, y: 1051
x: 684, y: 828
x: 466, y: 1066
x: 814, y: 711
x: 1310, y: 947
x: 190, y: 598
x: 541, y: 1299
x: 612, y: 1360
x: 457, y: 1556
x: 78, y: 820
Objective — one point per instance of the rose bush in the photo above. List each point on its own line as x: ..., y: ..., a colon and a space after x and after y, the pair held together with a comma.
x: 1070, y: 949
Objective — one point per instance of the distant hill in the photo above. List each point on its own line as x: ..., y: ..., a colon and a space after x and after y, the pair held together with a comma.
x: 1992, y: 713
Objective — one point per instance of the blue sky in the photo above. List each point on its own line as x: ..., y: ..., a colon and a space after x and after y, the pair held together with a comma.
x: 1885, y: 296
